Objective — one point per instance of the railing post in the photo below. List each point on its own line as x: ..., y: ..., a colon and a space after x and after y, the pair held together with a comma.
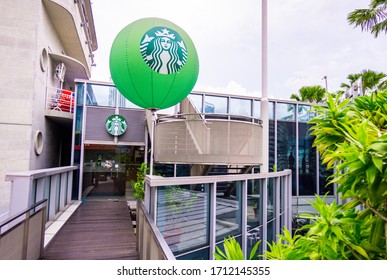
x: 43, y: 229
x: 25, y: 235
x: 277, y: 186
x: 264, y: 214
x: 212, y: 217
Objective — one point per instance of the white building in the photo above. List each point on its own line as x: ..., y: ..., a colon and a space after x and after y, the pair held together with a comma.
x: 44, y: 45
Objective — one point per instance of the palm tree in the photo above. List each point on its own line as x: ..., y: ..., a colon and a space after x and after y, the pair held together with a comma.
x: 310, y: 94
x: 370, y: 80
x: 373, y: 19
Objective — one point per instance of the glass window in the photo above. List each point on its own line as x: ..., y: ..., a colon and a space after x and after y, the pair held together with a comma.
x: 228, y: 209
x: 323, y: 180
x: 239, y: 106
x: 254, y: 203
x: 285, y: 112
x: 80, y: 87
x: 304, y: 114
x: 271, y: 199
x: 197, y: 100
x: 183, y: 216
x: 257, y: 109
x: 101, y: 95
x: 125, y: 103
x: 306, y: 161
x: 215, y: 104
x: 286, y: 149
x: 271, y: 110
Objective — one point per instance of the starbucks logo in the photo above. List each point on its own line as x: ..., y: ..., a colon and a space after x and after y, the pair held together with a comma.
x: 163, y: 50
x: 116, y: 125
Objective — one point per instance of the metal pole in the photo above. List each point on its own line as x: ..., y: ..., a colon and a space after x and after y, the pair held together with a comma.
x: 152, y: 141
x: 264, y: 100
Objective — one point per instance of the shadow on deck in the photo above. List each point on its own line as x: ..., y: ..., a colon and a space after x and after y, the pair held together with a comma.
x: 96, y: 231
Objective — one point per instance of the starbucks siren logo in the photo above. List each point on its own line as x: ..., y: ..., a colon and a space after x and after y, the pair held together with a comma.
x: 163, y: 50
x: 116, y: 125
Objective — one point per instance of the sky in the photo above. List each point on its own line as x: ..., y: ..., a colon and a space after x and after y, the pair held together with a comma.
x: 307, y: 40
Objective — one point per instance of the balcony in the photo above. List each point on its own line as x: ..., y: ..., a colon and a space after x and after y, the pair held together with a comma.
x: 60, y: 105
x: 208, y: 139
x: 74, y: 24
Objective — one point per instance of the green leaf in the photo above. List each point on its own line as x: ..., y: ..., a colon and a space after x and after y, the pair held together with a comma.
x: 378, y: 162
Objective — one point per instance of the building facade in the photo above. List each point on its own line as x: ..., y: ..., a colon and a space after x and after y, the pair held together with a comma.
x: 44, y: 46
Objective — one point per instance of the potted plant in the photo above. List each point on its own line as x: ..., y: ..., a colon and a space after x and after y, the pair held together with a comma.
x: 178, y: 202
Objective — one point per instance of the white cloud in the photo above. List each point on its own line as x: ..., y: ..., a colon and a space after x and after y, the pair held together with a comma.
x: 307, y: 40
x: 232, y: 87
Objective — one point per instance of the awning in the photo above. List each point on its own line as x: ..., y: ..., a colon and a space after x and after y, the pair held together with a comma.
x: 74, y: 68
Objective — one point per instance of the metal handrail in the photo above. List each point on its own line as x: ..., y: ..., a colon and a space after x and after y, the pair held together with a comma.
x: 156, y: 234
x: 16, y: 216
x: 211, y: 116
x: 16, y: 221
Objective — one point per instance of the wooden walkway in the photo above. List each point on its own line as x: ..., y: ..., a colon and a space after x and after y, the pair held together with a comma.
x: 96, y: 231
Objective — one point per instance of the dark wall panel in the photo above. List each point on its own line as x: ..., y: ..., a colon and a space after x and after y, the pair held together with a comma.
x: 95, y: 125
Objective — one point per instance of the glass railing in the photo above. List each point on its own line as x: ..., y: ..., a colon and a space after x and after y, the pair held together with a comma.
x: 194, y: 214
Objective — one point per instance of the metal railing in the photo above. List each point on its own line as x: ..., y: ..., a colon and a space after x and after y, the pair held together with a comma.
x: 194, y: 214
x: 61, y: 100
x: 22, y: 235
x: 208, y: 139
x: 151, y: 244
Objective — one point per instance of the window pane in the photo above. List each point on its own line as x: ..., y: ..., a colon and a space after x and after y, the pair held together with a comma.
x: 125, y: 103
x: 183, y: 216
x: 257, y: 109
x: 197, y: 100
x: 323, y: 180
x: 101, y: 95
x: 304, y: 114
x: 215, y: 104
x: 306, y: 161
x: 286, y: 149
x: 285, y: 112
x: 228, y: 209
x: 240, y: 107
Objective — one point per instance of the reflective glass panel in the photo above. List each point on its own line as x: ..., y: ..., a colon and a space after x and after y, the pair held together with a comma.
x: 125, y: 103
x: 239, y: 106
x: 254, y: 203
x: 257, y: 109
x: 304, y: 113
x: 101, y: 95
x: 197, y: 100
x: 271, y: 199
x: 285, y: 112
x: 306, y: 161
x: 271, y: 110
x: 182, y: 216
x: 80, y: 87
x: 271, y: 231
x: 228, y: 209
x: 286, y: 149
x: 323, y: 180
x: 215, y: 104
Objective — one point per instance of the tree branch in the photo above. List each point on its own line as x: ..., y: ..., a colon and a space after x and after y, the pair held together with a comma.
x: 372, y: 209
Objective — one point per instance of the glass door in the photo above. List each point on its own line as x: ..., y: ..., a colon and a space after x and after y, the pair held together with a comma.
x: 108, y: 171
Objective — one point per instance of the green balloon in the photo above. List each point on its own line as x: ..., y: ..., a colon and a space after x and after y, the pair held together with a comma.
x: 154, y: 63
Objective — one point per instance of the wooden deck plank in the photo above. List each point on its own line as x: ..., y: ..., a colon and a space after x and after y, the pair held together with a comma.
x: 96, y: 231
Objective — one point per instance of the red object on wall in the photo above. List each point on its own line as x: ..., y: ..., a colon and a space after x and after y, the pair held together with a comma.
x: 65, y: 100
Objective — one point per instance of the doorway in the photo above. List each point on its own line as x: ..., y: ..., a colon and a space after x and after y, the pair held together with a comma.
x: 108, y: 171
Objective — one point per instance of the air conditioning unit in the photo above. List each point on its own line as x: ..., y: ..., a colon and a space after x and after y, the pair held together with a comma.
x: 60, y: 71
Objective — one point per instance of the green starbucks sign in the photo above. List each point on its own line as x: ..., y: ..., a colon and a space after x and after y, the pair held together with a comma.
x: 153, y: 63
x: 116, y: 125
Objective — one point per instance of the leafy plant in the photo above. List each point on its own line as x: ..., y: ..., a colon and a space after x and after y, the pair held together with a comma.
x: 233, y: 251
x: 138, y: 185
x: 352, y: 139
